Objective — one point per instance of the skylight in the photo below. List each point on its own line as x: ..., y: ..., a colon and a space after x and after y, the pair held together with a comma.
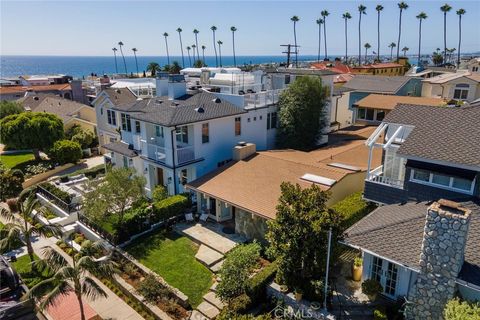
x: 318, y: 179
x: 344, y: 166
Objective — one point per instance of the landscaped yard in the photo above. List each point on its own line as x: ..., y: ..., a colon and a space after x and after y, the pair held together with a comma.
x: 24, y: 269
x: 13, y: 160
x: 172, y: 256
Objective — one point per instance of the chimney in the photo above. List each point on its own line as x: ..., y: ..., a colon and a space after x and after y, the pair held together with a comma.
x: 243, y: 150
x: 161, y: 84
x: 177, y: 86
x: 441, y: 259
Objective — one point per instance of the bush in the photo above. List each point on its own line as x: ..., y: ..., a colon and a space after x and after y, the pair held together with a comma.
x: 379, y: 315
x: 152, y: 290
x: 461, y: 310
x: 170, y: 207
x: 66, y: 151
x: 371, y: 287
x: 240, y: 304
x: 12, y: 204
x: 358, y: 262
x: 9, y: 107
x: 33, y: 169
x: 60, y: 194
x: 353, y: 208
x: 256, y: 286
x: 159, y: 193
x: 10, y: 183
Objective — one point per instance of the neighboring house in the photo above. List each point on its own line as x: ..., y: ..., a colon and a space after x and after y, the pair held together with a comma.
x: 382, y: 69
x: 462, y: 86
x: 341, y: 114
x: 473, y: 65
x: 71, y: 112
x: 44, y: 80
x: 372, y: 109
x: 63, y: 90
x: 177, y: 137
x: 246, y: 191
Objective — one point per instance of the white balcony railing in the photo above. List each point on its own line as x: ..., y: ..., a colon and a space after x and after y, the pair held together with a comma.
x: 156, y: 153
x: 377, y: 176
x: 260, y: 99
x: 185, y: 154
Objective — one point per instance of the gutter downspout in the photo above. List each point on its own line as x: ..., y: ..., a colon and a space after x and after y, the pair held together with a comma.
x: 174, y: 165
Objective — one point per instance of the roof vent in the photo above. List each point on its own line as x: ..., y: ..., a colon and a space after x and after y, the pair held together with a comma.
x: 158, y: 101
x: 217, y: 100
x: 130, y: 147
x: 139, y: 99
x: 118, y: 91
x: 36, y: 98
x: 318, y: 179
x: 241, y: 143
x: 200, y: 110
x: 174, y: 104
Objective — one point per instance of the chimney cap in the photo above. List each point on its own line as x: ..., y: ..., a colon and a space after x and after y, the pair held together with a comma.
x: 241, y: 143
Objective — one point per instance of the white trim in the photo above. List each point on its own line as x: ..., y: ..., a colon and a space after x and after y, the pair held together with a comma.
x: 449, y: 187
x: 440, y: 162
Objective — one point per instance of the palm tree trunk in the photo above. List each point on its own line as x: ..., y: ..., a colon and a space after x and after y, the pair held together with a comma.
x: 116, y: 65
x: 124, y: 63
x: 319, y: 40
x: 325, y: 35
x: 181, y: 47
x: 378, y: 36
x: 234, y: 58
x: 459, y: 38
x: 399, y: 34
x: 220, y: 54
x: 295, y: 40
x: 196, y: 43
x: 203, y: 55
x: 444, y: 37
x: 136, y: 63
x: 36, y: 154
x: 215, y: 49
x: 80, y: 303
x: 189, y: 58
x: 168, y: 55
x: 419, y: 41
x: 346, y: 42
x: 359, y: 40
x: 366, y: 55
x: 391, y: 53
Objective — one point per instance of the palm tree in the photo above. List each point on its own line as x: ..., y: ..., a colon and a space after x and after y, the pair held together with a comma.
x: 361, y: 10
x: 346, y: 16
x: 445, y: 8
x: 23, y: 227
x: 166, y: 46
x: 136, y: 62
x: 189, y: 58
x: 295, y: 19
x: 179, y: 30
x: 421, y: 16
x: 153, y: 68
x: 366, y: 46
x: 195, y: 32
x: 203, y: 54
x: 213, y: 28
x: 175, y: 67
x: 404, y: 50
x: 379, y: 9
x: 319, y: 22
x: 391, y: 46
x: 72, y: 278
x: 194, y: 58
x: 402, y: 6
x: 115, y: 55
x: 325, y: 14
x: 460, y: 13
x: 233, y: 29
x: 120, y: 44
x: 220, y: 51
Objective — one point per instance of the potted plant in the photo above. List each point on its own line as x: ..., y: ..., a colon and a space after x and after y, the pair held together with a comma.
x: 357, y: 269
x: 371, y: 288
x: 283, y: 288
x: 298, y: 294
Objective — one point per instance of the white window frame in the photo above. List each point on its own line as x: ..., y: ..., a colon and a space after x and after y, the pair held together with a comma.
x: 461, y: 87
x: 112, y: 116
x: 441, y: 186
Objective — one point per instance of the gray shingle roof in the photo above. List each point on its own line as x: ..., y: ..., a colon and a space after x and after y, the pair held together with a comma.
x: 377, y: 84
x: 440, y: 133
x: 122, y: 148
x: 120, y: 96
x: 181, y: 111
x: 65, y: 109
x: 396, y: 232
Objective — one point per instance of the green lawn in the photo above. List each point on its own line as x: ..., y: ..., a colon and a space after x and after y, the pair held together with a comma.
x: 24, y: 269
x: 14, y: 160
x: 173, y: 257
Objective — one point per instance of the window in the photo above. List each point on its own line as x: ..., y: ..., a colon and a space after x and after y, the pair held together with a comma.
x: 361, y: 113
x: 159, y: 131
x: 137, y: 127
x: 205, y: 133
x: 101, y: 111
x: 268, y: 121
x: 182, y: 134
x: 461, y: 91
x: 463, y: 184
x: 183, y: 177
x: 125, y: 162
x: 126, y: 123
x: 111, y: 118
x: 421, y: 175
x: 443, y: 181
x: 238, y: 126
x: 380, y: 115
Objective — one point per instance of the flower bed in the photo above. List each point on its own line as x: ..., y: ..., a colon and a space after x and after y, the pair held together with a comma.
x: 59, y: 194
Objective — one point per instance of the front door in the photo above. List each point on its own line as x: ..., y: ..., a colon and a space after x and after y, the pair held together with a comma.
x: 160, y: 176
x: 386, y: 273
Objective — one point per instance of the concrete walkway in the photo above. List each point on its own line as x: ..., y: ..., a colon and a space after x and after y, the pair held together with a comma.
x: 86, y: 164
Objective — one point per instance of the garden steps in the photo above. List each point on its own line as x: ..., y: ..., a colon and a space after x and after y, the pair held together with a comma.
x: 213, y: 299
x: 208, y: 310
x: 208, y: 256
x: 216, y: 267
x: 197, y: 316
x: 213, y: 288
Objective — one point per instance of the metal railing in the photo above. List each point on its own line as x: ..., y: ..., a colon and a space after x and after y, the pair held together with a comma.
x: 185, y: 154
x: 377, y: 176
x: 155, y: 152
x: 260, y: 99
x: 67, y: 207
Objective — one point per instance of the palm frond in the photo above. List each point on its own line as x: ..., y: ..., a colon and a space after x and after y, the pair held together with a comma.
x: 13, y: 234
x: 7, y: 215
x: 54, y: 258
x: 63, y: 288
x: 92, y: 290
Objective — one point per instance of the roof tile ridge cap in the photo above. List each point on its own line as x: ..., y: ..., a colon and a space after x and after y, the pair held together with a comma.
x: 351, y: 145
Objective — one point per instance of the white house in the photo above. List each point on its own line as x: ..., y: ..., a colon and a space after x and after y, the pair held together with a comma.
x: 461, y: 86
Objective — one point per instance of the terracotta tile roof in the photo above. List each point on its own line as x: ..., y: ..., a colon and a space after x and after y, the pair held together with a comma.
x: 254, y: 183
x: 388, y: 102
x: 20, y: 89
x: 66, y: 307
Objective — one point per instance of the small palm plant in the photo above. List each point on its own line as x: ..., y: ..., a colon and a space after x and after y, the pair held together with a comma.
x: 75, y: 277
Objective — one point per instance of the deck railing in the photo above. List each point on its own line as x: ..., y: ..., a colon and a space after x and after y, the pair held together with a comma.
x: 67, y: 207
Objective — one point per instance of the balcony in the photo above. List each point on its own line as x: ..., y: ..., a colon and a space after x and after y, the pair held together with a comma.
x: 185, y: 154
x: 155, y: 152
x: 378, y: 176
x: 261, y: 99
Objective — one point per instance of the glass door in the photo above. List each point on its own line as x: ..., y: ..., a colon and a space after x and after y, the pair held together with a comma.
x: 391, y: 278
x: 377, y: 269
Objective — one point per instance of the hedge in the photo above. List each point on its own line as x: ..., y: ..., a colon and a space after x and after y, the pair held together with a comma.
x: 353, y: 208
x: 256, y: 285
x: 60, y: 194
x: 170, y: 207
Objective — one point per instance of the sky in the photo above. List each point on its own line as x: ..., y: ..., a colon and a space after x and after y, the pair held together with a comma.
x: 92, y: 28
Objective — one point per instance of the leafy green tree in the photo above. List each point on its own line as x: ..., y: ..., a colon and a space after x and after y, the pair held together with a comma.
x: 65, y: 151
x: 175, y: 68
x: 31, y: 130
x: 153, y: 68
x: 302, y: 113
x: 10, y: 182
x: 75, y: 277
x: 9, y: 107
x: 120, y: 189
x: 84, y: 137
x: 198, y: 64
x: 159, y: 193
x: 298, y: 235
x: 236, y: 270
x: 461, y: 310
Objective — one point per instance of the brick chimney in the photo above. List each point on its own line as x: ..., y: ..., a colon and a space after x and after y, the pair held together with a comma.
x: 243, y: 150
x: 441, y: 259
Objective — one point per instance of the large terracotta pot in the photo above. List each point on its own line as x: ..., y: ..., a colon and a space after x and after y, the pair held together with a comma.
x: 372, y: 297
x: 298, y: 296
x: 357, y: 273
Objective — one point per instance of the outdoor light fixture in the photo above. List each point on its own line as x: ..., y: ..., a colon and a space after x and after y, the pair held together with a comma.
x: 169, y: 180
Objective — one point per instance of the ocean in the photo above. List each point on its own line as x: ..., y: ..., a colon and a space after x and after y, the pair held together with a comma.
x: 11, y: 66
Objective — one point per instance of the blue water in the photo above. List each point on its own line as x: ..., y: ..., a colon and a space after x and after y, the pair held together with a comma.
x: 11, y: 66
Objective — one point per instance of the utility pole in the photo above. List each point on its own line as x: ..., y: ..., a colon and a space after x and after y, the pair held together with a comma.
x: 289, y: 51
x: 326, y: 272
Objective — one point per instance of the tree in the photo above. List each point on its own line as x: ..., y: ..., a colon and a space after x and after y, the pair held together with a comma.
x: 346, y: 16
x: 75, y: 278
x: 24, y: 225
x: 194, y: 58
x: 391, y: 46
x: 460, y: 13
x: 153, y: 68
x: 159, y: 193
x: 236, y: 270
x: 84, y: 137
x: 196, y: 32
x: 115, y: 56
x: 175, y: 67
x: 461, y: 310
x: 120, y: 45
x: 366, y: 46
x: 117, y: 192
x: 437, y: 58
x: 404, y: 50
x: 9, y: 107
x: 325, y: 14
x: 295, y: 19
x: 402, y: 6
x: 319, y: 23
x: 421, y: 16
x: 203, y: 54
x: 31, y: 130
x: 136, y: 62
x: 220, y: 51
x: 301, y: 113
x: 378, y: 8
x: 189, y: 58
x: 233, y: 29
x: 445, y: 9
x: 65, y: 151
x: 165, y: 35
x: 179, y: 30
x: 361, y: 11
x: 198, y: 64
x: 297, y: 236
x: 11, y: 181
x: 213, y: 28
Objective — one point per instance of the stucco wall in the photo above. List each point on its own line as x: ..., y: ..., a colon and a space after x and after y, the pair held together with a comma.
x: 349, y: 184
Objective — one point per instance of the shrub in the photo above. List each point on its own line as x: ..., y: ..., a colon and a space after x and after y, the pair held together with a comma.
x: 10, y: 183
x: 240, y: 304
x: 152, y: 290
x: 60, y: 194
x: 33, y: 169
x: 358, y: 262
x: 9, y: 107
x: 170, y: 207
x: 353, y: 208
x: 371, y: 287
x: 159, y: 193
x: 130, y: 269
x: 379, y: 315
x: 66, y: 151
x: 256, y: 286
x: 84, y: 138
x: 461, y: 310
x: 12, y: 204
